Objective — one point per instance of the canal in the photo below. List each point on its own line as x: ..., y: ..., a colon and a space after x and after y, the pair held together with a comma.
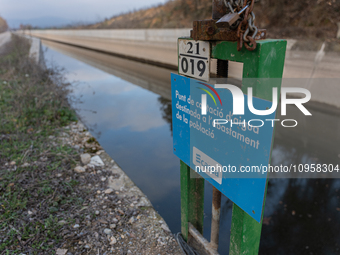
x: 127, y: 107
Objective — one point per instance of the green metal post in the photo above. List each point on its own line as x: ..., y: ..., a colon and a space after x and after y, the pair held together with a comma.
x: 266, y: 61
x: 192, y: 200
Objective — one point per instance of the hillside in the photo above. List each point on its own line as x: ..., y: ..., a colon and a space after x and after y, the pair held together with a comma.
x: 282, y: 18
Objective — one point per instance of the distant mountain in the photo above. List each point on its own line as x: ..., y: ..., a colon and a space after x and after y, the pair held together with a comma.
x: 42, y: 22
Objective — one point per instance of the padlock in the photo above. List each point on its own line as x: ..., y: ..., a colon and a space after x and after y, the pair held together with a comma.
x: 231, y: 18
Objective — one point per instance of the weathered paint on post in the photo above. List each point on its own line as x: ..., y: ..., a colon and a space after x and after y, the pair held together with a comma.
x: 215, y: 219
x: 266, y: 61
x: 192, y: 201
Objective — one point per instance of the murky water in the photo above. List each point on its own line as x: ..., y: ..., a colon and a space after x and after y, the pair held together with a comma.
x: 128, y: 109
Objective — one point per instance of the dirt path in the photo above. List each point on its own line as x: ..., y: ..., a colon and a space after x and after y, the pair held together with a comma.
x: 5, y: 38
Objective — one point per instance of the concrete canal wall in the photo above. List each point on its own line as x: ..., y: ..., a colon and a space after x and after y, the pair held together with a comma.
x: 150, y: 45
x: 159, y: 46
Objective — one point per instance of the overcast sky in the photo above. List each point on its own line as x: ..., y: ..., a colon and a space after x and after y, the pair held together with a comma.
x: 73, y: 10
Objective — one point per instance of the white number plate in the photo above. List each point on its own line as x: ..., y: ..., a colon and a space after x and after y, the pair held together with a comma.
x: 194, y: 58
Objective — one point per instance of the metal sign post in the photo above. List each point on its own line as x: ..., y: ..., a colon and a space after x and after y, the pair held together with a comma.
x: 196, y: 144
x: 265, y: 62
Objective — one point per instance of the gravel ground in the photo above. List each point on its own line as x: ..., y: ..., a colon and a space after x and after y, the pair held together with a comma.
x: 119, y: 219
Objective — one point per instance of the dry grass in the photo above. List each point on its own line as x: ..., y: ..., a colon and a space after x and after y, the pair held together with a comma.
x: 283, y: 18
x: 30, y: 96
x: 33, y: 107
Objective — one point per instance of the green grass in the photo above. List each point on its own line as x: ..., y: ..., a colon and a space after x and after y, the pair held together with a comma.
x: 33, y: 107
x: 39, y: 193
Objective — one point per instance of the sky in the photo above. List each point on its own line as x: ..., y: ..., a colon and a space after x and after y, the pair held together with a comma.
x: 68, y: 10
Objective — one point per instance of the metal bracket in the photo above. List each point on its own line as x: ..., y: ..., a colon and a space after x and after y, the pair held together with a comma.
x: 208, y: 30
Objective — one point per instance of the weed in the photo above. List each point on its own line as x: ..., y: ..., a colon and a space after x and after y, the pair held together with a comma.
x: 33, y: 106
x: 30, y: 97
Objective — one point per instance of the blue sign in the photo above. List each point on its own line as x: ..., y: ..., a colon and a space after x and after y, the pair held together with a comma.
x: 231, y: 151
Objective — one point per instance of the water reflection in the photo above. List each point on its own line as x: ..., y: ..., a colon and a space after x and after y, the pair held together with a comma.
x: 166, y: 111
x: 133, y: 115
x: 304, y: 219
x: 131, y: 127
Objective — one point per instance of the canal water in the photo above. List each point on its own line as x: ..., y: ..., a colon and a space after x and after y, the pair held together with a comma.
x: 127, y: 107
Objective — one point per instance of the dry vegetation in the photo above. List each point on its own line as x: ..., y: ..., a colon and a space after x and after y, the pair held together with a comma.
x: 33, y: 106
x: 53, y: 198
x: 3, y: 25
x: 284, y: 18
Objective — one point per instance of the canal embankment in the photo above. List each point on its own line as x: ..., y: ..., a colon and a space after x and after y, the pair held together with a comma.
x: 60, y: 192
x: 313, y: 66
x: 134, y: 126
x: 156, y: 46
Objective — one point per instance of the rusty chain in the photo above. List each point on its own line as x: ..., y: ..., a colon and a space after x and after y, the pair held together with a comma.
x: 246, y: 29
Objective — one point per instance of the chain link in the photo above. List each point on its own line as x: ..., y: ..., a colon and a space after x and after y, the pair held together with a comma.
x: 246, y: 29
